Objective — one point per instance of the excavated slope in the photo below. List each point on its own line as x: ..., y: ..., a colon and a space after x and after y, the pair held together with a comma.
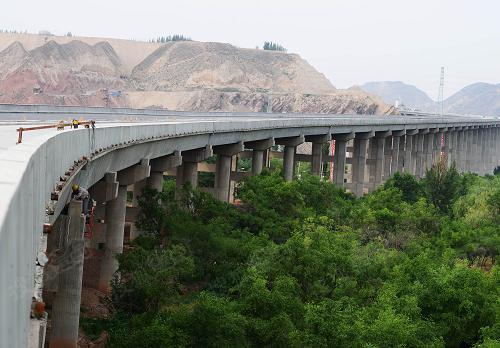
x: 193, y: 65
x: 187, y: 75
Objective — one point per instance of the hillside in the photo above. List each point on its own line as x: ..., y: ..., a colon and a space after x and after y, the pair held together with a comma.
x: 392, y: 91
x: 478, y: 98
x: 194, y: 65
x: 183, y: 75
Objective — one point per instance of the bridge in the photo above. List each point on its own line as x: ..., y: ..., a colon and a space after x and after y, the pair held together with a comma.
x: 130, y: 149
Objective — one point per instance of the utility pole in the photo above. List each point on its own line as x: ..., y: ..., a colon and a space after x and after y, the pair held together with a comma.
x: 270, y: 102
x: 441, y: 93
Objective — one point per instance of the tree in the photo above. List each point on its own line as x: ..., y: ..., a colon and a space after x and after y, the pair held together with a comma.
x: 272, y: 46
x: 408, y: 185
x: 304, y: 263
x: 442, y: 185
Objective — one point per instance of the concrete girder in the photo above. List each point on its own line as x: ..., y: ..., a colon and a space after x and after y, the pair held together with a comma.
x: 106, y: 189
x: 260, y: 145
x: 135, y: 173
x: 229, y: 150
x: 321, y: 139
x: 197, y: 155
x: 164, y: 163
x: 343, y: 136
x: 290, y: 141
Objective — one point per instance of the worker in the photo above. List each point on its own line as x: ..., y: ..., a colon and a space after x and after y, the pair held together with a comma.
x: 80, y: 194
x: 75, y: 123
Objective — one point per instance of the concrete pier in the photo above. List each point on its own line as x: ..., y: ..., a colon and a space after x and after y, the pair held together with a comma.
x: 454, y: 146
x: 436, y: 156
x: 359, y: 162
x: 339, y: 157
x: 135, y: 175
x: 259, y: 150
x: 401, y: 152
x: 290, y: 144
x: 429, y: 145
x: 419, y: 153
x: 115, y: 225
x: 410, y: 152
x: 160, y: 165
x: 397, y: 152
x: 475, y: 154
x: 377, y: 159
x: 388, y: 151
x: 317, y: 152
x: 115, y: 220
x: 469, y: 161
x: 66, y: 304
x: 223, y: 167
x: 188, y: 171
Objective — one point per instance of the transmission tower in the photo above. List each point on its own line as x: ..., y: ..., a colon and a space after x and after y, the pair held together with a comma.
x: 441, y: 93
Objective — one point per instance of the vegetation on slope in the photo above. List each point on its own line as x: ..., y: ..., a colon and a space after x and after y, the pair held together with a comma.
x: 305, y: 264
x: 171, y: 38
x: 273, y: 46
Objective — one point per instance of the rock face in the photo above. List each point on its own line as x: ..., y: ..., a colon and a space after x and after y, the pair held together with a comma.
x: 58, y: 74
x: 392, y: 91
x: 183, y: 75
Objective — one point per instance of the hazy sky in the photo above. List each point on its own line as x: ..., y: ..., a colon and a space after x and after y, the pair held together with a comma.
x: 350, y: 41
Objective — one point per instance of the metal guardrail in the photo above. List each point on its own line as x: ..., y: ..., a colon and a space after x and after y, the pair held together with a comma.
x: 59, y: 126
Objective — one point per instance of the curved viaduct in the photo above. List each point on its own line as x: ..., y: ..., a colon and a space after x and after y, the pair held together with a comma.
x: 137, y: 146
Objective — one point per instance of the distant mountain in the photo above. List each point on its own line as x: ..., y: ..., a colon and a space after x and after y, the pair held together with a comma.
x: 479, y: 98
x: 390, y: 91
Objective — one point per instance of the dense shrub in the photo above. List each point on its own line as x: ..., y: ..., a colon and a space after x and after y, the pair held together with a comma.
x: 305, y: 264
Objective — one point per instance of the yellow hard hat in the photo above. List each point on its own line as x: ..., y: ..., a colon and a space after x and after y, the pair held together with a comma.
x: 75, y: 187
